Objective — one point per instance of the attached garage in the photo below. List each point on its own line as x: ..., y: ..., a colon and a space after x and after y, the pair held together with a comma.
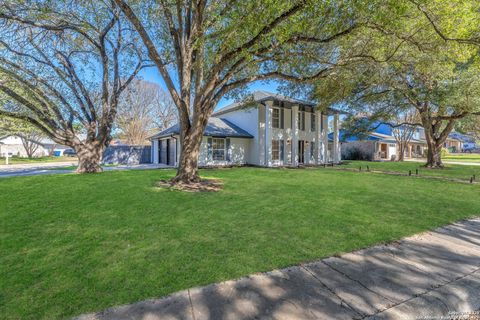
x: 223, y: 144
x: 167, y: 151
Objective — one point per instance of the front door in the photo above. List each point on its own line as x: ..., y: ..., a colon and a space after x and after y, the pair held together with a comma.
x: 383, y: 151
x: 301, y: 151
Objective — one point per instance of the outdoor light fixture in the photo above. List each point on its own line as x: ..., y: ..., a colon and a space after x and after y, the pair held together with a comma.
x: 288, y: 141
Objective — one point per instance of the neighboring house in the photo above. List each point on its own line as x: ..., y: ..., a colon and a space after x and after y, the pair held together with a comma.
x: 272, y: 130
x: 382, y: 145
x: 13, y: 145
x: 467, y: 142
x: 453, y: 144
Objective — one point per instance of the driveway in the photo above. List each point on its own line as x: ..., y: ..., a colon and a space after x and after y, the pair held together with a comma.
x: 427, y: 276
x: 18, y: 170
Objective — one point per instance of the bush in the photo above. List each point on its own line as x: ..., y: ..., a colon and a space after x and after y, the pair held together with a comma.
x: 357, y: 153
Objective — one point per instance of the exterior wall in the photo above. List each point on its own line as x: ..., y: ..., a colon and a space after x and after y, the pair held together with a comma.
x: 286, y: 134
x: 248, y: 120
x: 238, y: 153
x: 392, y: 151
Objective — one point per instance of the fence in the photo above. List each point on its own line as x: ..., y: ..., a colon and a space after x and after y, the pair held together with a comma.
x: 127, y: 155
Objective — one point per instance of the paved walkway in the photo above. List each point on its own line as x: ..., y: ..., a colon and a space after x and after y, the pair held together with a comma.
x: 428, y: 275
x: 47, y: 168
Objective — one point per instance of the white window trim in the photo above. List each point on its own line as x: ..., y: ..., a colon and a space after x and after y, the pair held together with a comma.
x: 279, y: 118
x: 279, y: 150
x: 224, y: 149
x: 300, y: 121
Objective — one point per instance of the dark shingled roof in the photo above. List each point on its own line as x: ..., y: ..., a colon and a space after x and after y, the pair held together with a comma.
x: 216, y: 127
x: 261, y: 96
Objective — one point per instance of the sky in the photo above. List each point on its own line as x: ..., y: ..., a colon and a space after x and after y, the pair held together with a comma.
x: 152, y: 75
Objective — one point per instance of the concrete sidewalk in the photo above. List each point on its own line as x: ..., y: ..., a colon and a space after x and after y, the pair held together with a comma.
x: 428, y: 275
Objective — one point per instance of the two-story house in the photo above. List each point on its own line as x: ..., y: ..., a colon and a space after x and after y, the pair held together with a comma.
x: 269, y: 130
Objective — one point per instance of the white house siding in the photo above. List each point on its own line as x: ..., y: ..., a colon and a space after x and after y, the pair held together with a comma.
x: 392, y: 150
x: 238, y: 153
x: 286, y: 134
x: 248, y: 120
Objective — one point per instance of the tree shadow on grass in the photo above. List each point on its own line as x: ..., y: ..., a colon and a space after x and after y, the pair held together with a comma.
x: 426, y: 275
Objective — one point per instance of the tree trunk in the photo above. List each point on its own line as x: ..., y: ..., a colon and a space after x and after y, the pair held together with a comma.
x: 187, y: 171
x: 434, y: 156
x: 401, y: 154
x: 89, y: 158
x: 191, y: 140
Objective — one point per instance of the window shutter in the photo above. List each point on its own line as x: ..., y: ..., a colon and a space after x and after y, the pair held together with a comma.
x: 209, y: 147
x: 282, y: 119
x: 281, y: 150
x: 303, y: 121
x: 228, y: 151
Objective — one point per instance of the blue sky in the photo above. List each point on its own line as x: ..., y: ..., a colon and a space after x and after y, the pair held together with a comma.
x: 152, y: 75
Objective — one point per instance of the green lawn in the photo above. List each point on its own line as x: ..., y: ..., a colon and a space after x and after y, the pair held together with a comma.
x: 463, y: 157
x: 450, y: 171
x: 72, y: 244
x: 18, y: 160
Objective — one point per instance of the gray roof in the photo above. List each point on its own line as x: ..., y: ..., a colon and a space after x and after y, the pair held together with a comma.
x: 261, y: 96
x: 216, y: 127
x: 461, y: 137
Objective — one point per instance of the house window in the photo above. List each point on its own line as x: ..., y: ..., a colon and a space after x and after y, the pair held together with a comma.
x: 218, y: 149
x: 275, y: 150
x: 275, y: 118
x: 301, y: 121
x: 312, y: 122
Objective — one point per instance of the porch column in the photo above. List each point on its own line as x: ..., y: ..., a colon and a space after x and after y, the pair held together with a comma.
x: 336, y: 143
x: 268, y: 133
x: 324, y: 137
x: 177, y: 151
x: 318, y: 136
x: 294, y: 135
x: 155, y: 151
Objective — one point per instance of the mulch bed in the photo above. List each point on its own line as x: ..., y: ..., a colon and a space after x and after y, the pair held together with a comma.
x: 204, y: 185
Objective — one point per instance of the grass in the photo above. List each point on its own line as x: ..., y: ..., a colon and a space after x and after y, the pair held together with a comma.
x: 463, y: 157
x: 19, y: 160
x: 454, y: 171
x: 72, y: 244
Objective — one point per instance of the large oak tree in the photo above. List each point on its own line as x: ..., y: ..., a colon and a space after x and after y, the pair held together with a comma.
x: 64, y: 64
x: 205, y: 50
x: 438, y: 88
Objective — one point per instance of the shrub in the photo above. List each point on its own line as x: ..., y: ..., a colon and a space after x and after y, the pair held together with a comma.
x: 357, y: 153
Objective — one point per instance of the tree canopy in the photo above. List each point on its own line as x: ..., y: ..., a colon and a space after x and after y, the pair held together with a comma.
x: 64, y: 64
